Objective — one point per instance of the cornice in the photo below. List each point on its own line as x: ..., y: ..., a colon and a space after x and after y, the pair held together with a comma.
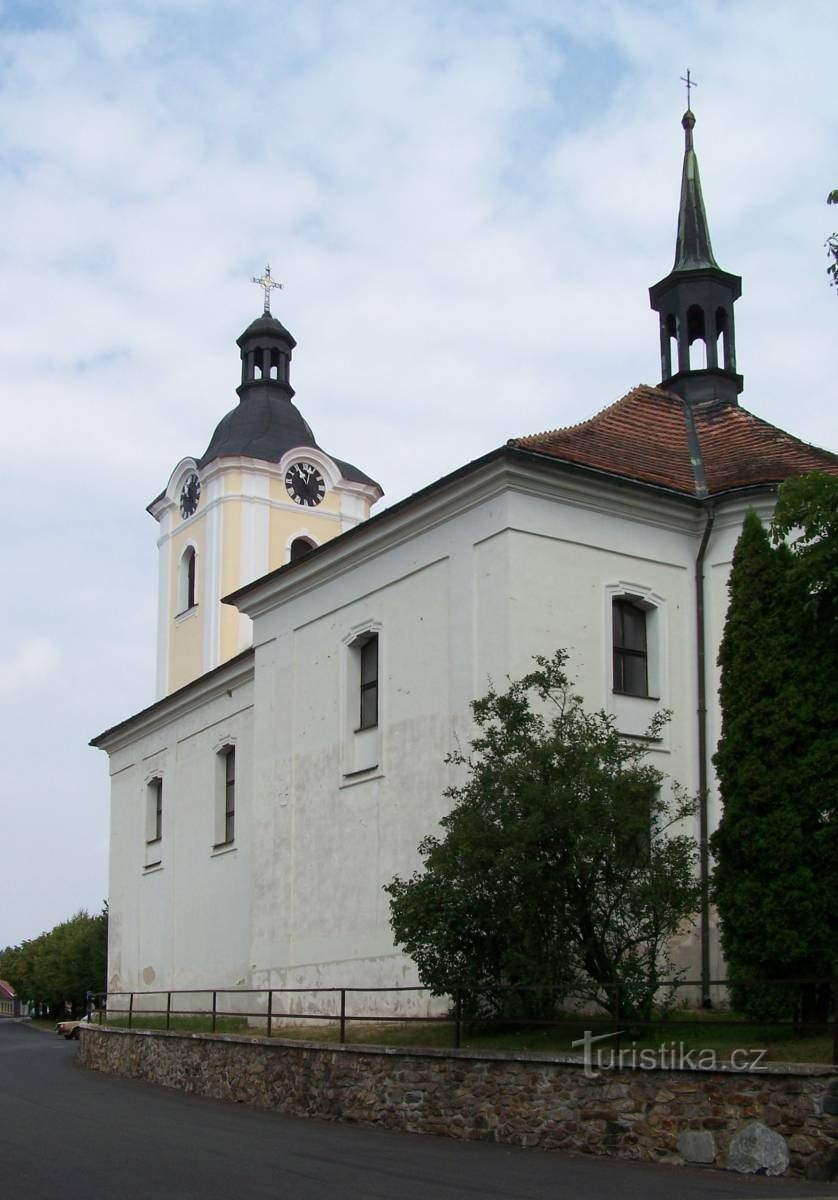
x: 207, y: 687
x: 503, y: 470
x: 257, y: 466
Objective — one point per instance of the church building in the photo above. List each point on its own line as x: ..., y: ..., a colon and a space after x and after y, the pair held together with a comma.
x: 317, y: 663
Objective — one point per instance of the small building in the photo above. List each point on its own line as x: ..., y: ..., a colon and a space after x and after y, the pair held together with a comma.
x: 9, y: 1000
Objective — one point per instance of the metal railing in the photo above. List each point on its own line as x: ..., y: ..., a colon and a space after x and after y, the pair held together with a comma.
x: 461, y: 1010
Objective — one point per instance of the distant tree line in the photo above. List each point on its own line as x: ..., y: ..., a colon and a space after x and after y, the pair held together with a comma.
x: 60, y: 966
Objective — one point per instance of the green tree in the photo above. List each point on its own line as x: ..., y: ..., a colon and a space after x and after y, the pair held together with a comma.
x: 832, y: 246
x: 807, y: 515
x: 559, y: 869
x: 62, y: 964
x: 774, y: 882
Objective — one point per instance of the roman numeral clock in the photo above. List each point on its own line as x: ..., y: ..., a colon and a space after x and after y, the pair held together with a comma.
x: 304, y: 484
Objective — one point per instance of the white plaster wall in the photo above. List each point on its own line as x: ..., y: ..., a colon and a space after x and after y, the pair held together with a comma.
x: 187, y: 923
x: 469, y: 600
x: 467, y: 597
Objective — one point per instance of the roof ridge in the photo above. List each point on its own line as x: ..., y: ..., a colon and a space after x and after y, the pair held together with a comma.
x: 630, y: 394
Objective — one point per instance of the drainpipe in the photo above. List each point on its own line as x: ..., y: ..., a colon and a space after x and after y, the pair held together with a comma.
x: 703, y: 766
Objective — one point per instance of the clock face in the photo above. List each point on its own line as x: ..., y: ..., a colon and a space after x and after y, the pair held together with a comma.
x: 305, y: 484
x: 190, y: 494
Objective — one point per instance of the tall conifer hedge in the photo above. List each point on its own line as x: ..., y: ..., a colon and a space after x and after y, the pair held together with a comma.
x: 775, y: 848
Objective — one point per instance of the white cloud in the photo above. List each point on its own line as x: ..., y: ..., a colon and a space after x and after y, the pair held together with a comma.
x: 33, y: 664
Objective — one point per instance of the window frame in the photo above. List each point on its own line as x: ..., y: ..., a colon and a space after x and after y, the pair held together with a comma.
x: 187, y: 580
x: 230, y: 796
x: 623, y: 652
x: 224, y: 794
x: 153, y: 843
x: 299, y: 540
x: 369, y: 686
x: 155, y: 810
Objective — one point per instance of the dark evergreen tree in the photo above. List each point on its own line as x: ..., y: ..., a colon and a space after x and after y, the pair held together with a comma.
x: 775, y: 877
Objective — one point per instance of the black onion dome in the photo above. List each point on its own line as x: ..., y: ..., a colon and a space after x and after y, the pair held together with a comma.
x: 263, y: 425
x: 266, y: 423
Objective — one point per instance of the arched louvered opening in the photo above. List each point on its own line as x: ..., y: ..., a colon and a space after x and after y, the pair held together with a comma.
x: 724, y: 333
x: 669, y: 345
x: 696, y: 332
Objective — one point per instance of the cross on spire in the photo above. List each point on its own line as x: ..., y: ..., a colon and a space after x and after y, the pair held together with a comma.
x: 266, y: 283
x: 690, y: 84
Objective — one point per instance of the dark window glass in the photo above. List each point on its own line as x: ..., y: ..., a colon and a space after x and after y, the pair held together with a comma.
x: 630, y: 653
x: 230, y: 794
x: 369, y: 683
x: 190, y: 578
x: 156, y: 788
x: 300, y: 547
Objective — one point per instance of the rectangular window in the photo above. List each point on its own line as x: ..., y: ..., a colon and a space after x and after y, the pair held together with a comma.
x: 369, y: 683
x: 631, y: 672
x: 230, y: 794
x: 154, y: 826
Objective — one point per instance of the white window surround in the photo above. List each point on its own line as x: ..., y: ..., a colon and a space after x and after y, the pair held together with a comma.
x: 633, y: 713
x: 154, y: 788
x: 183, y: 605
x: 327, y: 467
x: 361, y: 749
x: 185, y: 468
x: 222, y: 749
x: 305, y: 535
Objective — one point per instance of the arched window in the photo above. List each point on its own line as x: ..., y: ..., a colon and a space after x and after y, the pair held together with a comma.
x: 670, y: 345
x: 300, y: 547
x: 723, y: 331
x: 186, y: 580
x: 696, y: 333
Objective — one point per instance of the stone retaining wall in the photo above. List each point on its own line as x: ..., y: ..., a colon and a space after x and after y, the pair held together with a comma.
x: 772, y: 1121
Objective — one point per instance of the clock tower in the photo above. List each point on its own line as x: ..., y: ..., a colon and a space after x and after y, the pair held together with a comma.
x: 262, y: 494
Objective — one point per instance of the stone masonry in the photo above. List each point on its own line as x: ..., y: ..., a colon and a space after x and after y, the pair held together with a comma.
x: 764, y: 1121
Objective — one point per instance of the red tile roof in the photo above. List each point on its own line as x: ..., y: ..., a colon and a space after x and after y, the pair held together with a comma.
x: 7, y: 992
x: 648, y: 436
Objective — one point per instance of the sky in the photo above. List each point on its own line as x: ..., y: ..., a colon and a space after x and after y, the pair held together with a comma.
x: 466, y: 201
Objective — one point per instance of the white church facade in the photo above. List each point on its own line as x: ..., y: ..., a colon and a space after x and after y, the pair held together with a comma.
x: 316, y: 664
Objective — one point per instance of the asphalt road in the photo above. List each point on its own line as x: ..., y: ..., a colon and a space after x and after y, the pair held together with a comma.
x: 71, y: 1134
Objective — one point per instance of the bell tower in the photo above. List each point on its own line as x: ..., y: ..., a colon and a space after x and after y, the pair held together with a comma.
x: 695, y: 302
x: 263, y: 495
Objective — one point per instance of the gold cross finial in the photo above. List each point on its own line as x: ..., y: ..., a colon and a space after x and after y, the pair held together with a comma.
x: 690, y: 84
x: 266, y: 283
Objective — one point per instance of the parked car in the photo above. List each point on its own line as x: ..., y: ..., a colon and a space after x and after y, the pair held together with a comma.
x: 70, y: 1029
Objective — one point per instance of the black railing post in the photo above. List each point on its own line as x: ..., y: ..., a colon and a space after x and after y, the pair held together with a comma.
x: 458, y: 1018
x: 342, y: 1015
x: 214, y: 1009
x: 168, y: 1010
x: 617, y: 1020
x: 270, y: 1010
x: 835, y: 1021
x: 130, y: 1009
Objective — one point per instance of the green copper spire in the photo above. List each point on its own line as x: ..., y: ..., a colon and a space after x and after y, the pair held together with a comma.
x: 693, y: 249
